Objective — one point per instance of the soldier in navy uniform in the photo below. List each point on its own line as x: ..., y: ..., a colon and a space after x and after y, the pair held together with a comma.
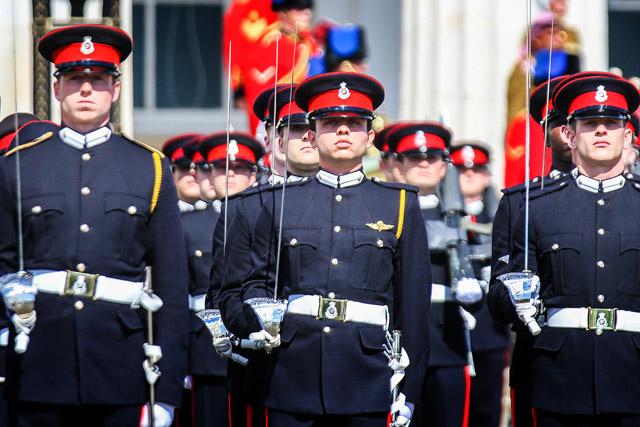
x: 205, y: 401
x: 343, y: 252
x: 489, y: 339
x: 244, y: 152
x: 581, y: 245
x: 291, y: 127
x: 97, y: 208
x: 542, y: 110
x: 422, y: 148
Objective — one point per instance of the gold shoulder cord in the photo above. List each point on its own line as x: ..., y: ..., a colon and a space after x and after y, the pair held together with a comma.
x: 157, y: 182
x: 401, y: 213
x: 36, y: 141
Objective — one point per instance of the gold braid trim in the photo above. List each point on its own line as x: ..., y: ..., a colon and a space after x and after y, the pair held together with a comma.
x: 401, y: 213
x: 36, y: 141
x: 157, y: 182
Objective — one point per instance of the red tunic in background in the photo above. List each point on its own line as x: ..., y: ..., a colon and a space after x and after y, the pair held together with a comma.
x: 514, y: 150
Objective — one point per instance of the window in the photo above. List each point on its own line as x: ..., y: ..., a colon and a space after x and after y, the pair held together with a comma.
x: 179, y: 83
x: 624, y: 16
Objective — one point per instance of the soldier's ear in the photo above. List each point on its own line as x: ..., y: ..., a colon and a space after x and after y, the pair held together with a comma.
x: 312, y: 138
x: 116, y: 90
x: 628, y: 137
x: 371, y: 136
x: 56, y: 89
x: 568, y: 135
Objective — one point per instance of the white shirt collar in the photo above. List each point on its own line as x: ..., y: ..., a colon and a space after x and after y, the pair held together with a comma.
x: 594, y: 186
x: 340, y: 181
x: 474, y: 208
x: 554, y: 173
x: 185, y: 207
x: 80, y: 141
x: 275, y: 179
x: 429, y: 201
x: 201, y: 205
x: 217, y: 205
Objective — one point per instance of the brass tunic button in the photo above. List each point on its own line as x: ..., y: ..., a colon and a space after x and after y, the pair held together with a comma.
x: 36, y: 209
x: 79, y: 305
x: 334, y: 261
x: 293, y: 242
x: 81, y: 267
x: 601, y: 231
x: 555, y: 247
x: 85, y: 191
x: 600, y: 264
x: 338, y: 198
x: 380, y: 243
x: 599, y: 331
x: 337, y: 228
x: 198, y: 253
x: 84, y: 228
x: 332, y: 295
x: 600, y: 202
x: 86, y: 157
x: 326, y: 329
x: 600, y: 298
x: 131, y: 210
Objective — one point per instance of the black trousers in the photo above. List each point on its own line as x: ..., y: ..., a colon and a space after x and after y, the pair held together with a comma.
x: 29, y: 414
x: 485, y: 406
x: 552, y: 419
x: 210, y: 406
x: 445, y: 397
x: 289, y: 419
x: 522, y: 413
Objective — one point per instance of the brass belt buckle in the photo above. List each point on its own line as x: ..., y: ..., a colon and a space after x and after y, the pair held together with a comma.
x: 331, y: 308
x: 80, y: 284
x: 602, y: 319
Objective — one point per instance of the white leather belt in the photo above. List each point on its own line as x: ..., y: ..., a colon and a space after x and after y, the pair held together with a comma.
x: 96, y: 287
x: 441, y: 293
x: 337, y: 309
x: 196, y: 302
x: 598, y: 319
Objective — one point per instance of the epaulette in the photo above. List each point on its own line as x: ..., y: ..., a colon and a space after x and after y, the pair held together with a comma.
x: 558, y: 185
x: 395, y: 185
x: 534, y: 184
x: 143, y: 145
x: 36, y: 141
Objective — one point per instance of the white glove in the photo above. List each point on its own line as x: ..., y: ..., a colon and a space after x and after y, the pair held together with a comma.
x: 223, y: 346
x: 268, y: 341
x: 468, y: 291
x: 162, y: 415
x: 526, y: 312
x: 404, y: 415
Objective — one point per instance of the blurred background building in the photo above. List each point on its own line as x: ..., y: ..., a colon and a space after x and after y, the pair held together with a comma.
x: 439, y: 59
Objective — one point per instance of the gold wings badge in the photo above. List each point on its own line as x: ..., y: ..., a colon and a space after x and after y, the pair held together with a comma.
x: 379, y: 226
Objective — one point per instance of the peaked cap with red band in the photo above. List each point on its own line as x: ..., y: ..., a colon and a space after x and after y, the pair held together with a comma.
x: 242, y: 147
x: 469, y: 155
x: 419, y: 139
x: 597, y: 96
x: 340, y: 94
x: 634, y: 123
x: 380, y: 140
x: 86, y: 46
x: 540, y: 109
x: 287, y: 111
x: 571, y: 77
x: 8, y: 127
x: 261, y: 105
x: 176, y: 148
